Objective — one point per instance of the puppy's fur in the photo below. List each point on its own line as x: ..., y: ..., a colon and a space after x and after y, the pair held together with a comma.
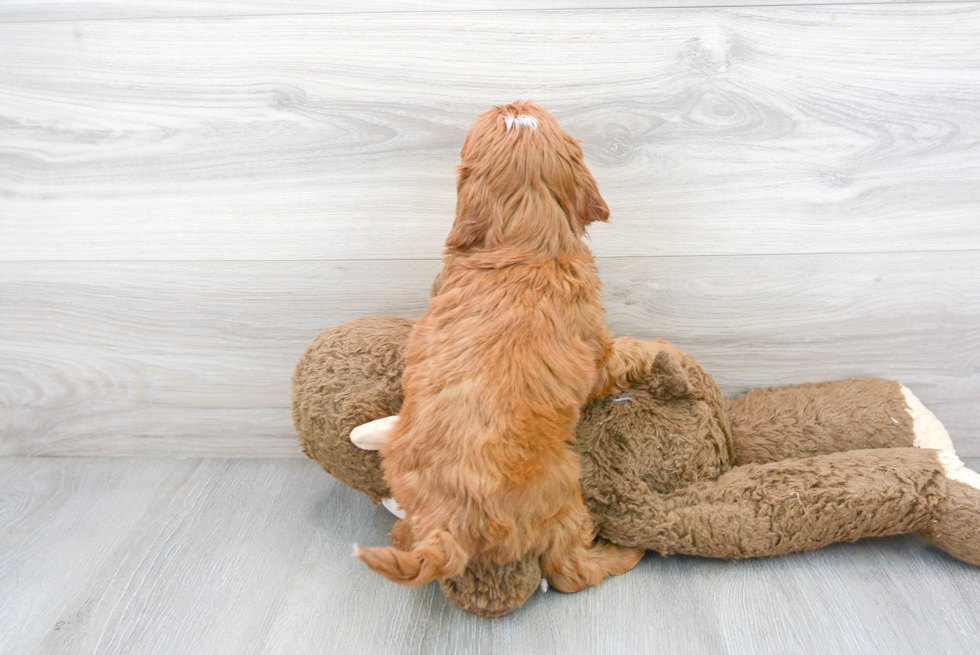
x: 510, y: 349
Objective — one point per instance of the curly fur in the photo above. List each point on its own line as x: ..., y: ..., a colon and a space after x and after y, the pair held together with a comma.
x: 510, y: 349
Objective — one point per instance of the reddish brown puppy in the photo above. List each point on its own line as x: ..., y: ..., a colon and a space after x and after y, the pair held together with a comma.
x: 499, y: 367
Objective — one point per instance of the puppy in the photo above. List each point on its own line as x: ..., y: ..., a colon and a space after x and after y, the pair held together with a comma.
x: 480, y: 458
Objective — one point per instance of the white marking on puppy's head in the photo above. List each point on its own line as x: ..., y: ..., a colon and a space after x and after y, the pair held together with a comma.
x: 521, y: 120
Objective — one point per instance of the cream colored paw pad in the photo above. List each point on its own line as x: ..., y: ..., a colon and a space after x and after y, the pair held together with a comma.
x: 927, y: 429
x: 392, y: 506
x: 956, y: 470
x: 374, y: 435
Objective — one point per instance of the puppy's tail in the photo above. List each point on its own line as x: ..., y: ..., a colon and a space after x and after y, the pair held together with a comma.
x: 439, y: 556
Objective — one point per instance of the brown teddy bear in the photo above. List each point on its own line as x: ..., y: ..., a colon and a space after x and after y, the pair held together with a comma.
x: 673, y: 466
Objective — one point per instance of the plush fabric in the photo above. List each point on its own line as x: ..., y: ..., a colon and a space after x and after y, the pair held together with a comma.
x: 819, y: 419
x: 349, y: 375
x: 659, y: 466
x: 672, y: 466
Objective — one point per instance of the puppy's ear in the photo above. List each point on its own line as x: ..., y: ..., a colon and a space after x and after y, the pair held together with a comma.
x: 437, y: 283
x: 469, y: 230
x: 591, y: 207
x: 475, y: 214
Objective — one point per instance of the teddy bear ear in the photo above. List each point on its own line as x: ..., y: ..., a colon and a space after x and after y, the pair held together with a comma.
x: 667, y: 376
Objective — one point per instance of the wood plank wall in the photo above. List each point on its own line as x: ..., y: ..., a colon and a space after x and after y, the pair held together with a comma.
x: 190, y: 191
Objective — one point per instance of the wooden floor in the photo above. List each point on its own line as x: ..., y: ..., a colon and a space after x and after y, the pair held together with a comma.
x: 162, y: 555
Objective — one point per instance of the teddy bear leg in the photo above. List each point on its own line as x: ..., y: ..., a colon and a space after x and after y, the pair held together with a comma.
x: 373, y: 436
x: 818, y: 419
x: 571, y: 562
x: 758, y: 510
x: 956, y: 525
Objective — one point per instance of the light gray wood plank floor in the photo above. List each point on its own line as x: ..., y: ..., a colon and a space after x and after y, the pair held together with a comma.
x: 154, y: 555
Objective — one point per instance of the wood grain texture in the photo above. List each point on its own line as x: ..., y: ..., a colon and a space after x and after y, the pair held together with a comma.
x: 192, y: 358
x: 60, y: 10
x: 193, y: 571
x: 253, y: 556
x: 711, y: 131
x: 61, y: 524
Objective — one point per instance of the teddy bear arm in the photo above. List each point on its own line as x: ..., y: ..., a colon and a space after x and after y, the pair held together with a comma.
x: 817, y: 419
x: 760, y: 510
x: 374, y: 434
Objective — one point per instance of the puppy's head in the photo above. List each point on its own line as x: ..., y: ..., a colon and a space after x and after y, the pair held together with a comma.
x: 521, y: 176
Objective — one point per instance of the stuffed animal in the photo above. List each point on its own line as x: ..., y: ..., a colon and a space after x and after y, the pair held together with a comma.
x: 673, y: 466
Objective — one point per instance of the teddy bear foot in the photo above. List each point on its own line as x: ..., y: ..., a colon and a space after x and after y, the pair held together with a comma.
x: 492, y: 590
x: 956, y: 528
x: 927, y: 430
